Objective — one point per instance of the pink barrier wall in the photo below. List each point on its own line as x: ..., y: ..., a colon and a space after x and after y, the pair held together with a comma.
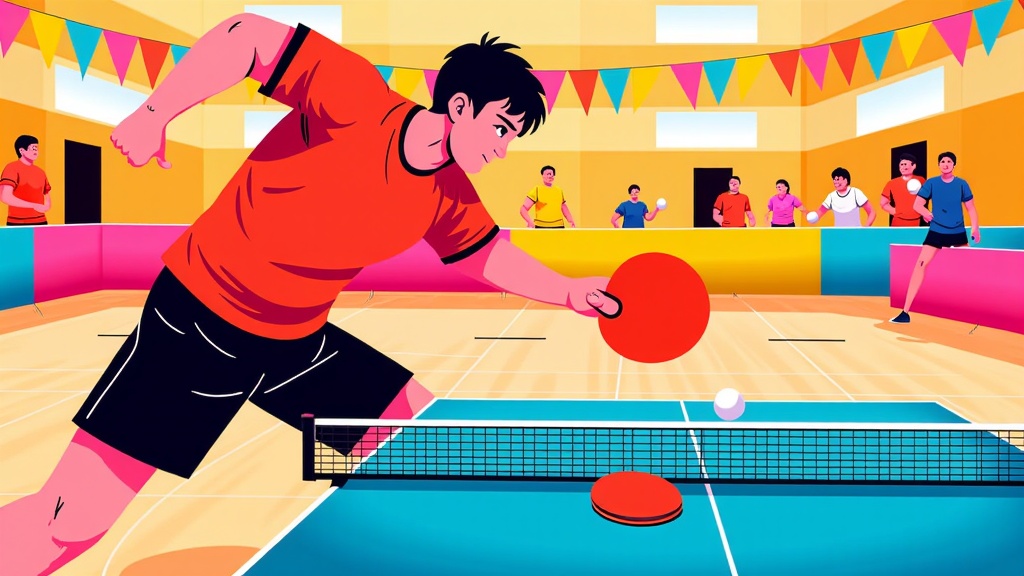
x: 418, y: 269
x: 131, y: 254
x: 67, y: 261
x: 974, y: 285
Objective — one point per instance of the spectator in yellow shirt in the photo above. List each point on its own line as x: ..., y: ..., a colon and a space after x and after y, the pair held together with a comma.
x: 548, y: 200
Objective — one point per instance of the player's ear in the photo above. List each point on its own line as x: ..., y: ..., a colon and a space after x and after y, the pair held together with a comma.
x: 459, y: 106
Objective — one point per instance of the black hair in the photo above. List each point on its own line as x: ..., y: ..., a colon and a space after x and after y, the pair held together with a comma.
x: 950, y: 155
x: 632, y: 186
x: 487, y: 72
x: 736, y: 178
x: 23, y: 142
x: 546, y: 168
x: 910, y: 157
x: 781, y: 181
x: 843, y: 172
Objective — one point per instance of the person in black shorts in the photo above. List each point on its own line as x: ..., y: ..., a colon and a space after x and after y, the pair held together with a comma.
x: 945, y: 222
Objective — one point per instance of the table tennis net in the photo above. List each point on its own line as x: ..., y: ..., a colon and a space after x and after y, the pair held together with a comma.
x: 682, y: 452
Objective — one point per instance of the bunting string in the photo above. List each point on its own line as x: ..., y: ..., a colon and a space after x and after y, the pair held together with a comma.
x: 955, y: 31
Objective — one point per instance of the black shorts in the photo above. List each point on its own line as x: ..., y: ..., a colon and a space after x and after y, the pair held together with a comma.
x: 940, y: 240
x: 183, y: 374
x: 790, y: 225
x: 43, y: 223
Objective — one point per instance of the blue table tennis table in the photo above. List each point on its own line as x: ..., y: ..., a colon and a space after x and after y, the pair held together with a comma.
x: 537, y: 527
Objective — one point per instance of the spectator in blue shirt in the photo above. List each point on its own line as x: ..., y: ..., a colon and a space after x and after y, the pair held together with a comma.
x: 946, y: 227
x: 633, y: 212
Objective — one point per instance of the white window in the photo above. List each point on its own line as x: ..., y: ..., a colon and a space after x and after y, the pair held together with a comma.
x: 259, y: 124
x: 902, y: 102
x: 705, y: 130
x: 93, y: 98
x: 324, y: 19
x: 706, y: 25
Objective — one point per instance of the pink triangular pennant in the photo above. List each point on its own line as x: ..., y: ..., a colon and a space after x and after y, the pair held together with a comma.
x: 12, y: 18
x: 816, y: 60
x: 430, y: 77
x: 956, y: 30
x: 551, y: 81
x: 122, y: 48
x: 688, y: 76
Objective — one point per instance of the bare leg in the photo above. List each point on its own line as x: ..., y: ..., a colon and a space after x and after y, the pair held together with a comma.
x: 86, y: 493
x: 413, y: 398
x: 917, y: 276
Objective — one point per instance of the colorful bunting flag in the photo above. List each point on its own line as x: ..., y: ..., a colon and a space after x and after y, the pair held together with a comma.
x: 911, y: 39
x: 990, y: 20
x: 614, y: 80
x: 122, y: 48
x: 816, y: 60
x: 551, y: 81
x: 584, y: 81
x: 84, y: 40
x: 251, y: 86
x: 430, y: 77
x: 406, y: 80
x: 48, y: 29
x: 747, y: 70
x: 154, y: 54
x: 785, y: 66
x: 688, y: 76
x: 719, y: 72
x: 643, y: 82
x: 876, y: 48
x: 178, y: 52
x: 846, y: 56
x: 385, y: 72
x: 12, y: 18
x: 955, y: 30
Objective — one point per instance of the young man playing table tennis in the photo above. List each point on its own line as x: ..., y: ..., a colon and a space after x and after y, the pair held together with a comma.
x: 240, y: 311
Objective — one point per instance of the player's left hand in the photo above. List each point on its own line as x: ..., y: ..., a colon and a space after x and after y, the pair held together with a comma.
x: 585, y: 297
x: 976, y: 235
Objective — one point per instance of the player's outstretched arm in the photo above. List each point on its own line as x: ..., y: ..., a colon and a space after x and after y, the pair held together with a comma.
x: 511, y: 269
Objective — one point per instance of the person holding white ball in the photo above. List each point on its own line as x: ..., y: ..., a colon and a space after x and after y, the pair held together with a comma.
x: 633, y: 212
x: 899, y: 194
x: 845, y: 202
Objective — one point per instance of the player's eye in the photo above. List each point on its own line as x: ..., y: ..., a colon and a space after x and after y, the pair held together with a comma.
x: 500, y: 131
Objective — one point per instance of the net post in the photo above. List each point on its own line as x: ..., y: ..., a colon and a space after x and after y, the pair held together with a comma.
x: 308, y: 448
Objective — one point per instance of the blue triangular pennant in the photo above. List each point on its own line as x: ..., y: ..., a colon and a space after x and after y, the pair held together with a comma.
x: 84, y: 39
x: 876, y: 48
x: 178, y: 52
x: 718, y: 73
x: 614, y: 81
x: 990, y: 21
x: 385, y: 72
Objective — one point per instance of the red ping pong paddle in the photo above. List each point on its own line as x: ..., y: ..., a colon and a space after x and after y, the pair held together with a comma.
x: 636, y: 499
x: 664, y: 308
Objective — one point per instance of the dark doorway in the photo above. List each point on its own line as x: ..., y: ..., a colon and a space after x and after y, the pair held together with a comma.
x: 83, y: 183
x: 918, y: 150
x: 708, y: 183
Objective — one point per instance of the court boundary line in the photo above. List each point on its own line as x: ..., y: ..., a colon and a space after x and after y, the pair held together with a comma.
x: 618, y: 378
x: 798, y: 351
x: 711, y: 496
x: 316, y: 504
x: 487, y: 351
x: 958, y: 414
x: 41, y: 410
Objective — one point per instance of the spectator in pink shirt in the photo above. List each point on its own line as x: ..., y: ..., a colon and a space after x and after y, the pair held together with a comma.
x: 781, y: 205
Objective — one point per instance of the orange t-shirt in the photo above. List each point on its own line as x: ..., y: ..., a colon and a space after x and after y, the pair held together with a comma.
x: 30, y: 184
x: 734, y: 208
x: 327, y: 192
x: 901, y: 199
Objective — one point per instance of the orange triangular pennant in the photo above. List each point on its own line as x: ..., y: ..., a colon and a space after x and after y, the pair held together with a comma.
x: 785, y: 65
x: 846, y: 56
x: 584, y: 81
x: 153, y: 54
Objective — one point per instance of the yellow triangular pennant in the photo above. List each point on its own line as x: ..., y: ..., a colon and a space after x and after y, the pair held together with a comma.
x: 643, y: 81
x: 251, y: 86
x: 747, y: 70
x: 911, y: 40
x: 407, y: 80
x: 48, y: 29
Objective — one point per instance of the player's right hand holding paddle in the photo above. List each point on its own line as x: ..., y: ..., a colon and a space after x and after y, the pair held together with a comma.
x: 142, y: 137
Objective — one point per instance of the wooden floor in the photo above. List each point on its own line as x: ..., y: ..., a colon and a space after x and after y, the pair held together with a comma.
x: 248, y: 488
